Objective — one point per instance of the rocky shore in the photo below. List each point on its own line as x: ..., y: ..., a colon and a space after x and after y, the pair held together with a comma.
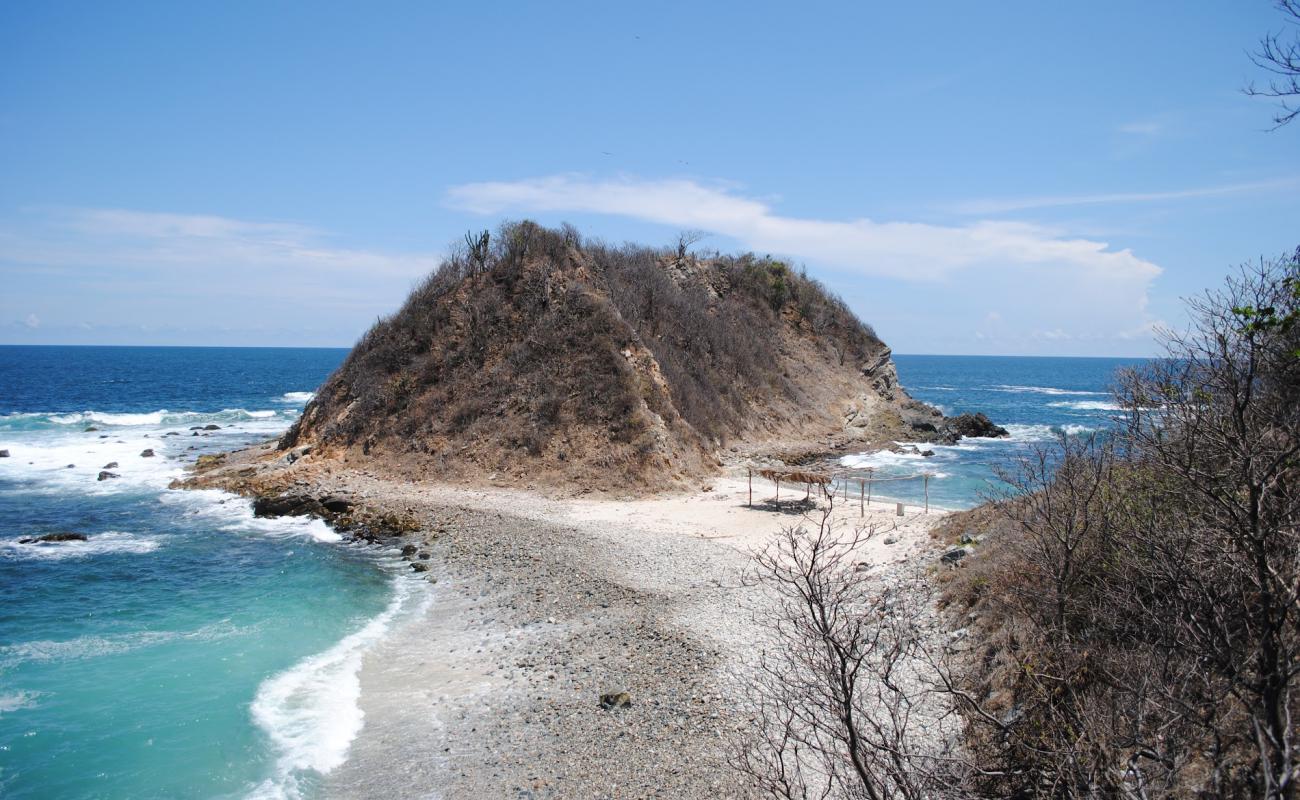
x: 572, y: 647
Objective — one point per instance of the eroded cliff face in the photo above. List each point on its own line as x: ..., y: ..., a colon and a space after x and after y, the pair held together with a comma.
x: 540, y: 360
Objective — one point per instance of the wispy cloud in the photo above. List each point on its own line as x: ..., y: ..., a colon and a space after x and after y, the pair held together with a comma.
x: 108, y: 237
x: 911, y: 251
x: 194, y: 272
x: 1080, y: 290
x: 1008, y: 204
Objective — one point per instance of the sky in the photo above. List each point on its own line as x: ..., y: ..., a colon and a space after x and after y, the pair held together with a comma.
x: 972, y: 178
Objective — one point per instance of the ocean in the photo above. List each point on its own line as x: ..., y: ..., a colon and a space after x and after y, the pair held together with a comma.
x: 187, y: 649
x: 1036, y: 399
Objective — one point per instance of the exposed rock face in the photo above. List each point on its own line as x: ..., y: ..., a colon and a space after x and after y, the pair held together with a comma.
x: 976, y: 425
x: 546, y: 361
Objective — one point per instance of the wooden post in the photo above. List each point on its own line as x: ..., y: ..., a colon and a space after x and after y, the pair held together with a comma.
x: 898, y: 509
x: 807, y: 491
x: 862, y: 506
x: 750, y: 504
x: 777, y: 481
x: 869, y: 474
x: 926, y: 481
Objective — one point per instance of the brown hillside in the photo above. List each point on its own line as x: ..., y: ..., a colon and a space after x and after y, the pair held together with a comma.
x: 529, y: 355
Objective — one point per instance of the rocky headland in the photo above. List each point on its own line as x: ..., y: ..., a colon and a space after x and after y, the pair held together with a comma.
x: 554, y: 434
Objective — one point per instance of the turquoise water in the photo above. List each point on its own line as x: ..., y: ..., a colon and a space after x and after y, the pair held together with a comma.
x: 189, y: 650
x: 1035, y: 398
x: 186, y: 649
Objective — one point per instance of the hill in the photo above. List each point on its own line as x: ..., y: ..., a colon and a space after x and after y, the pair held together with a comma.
x: 532, y: 356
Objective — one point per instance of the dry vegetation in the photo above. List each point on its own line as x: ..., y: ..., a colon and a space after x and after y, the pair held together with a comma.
x: 1137, y: 609
x: 611, y: 364
x: 1131, y: 619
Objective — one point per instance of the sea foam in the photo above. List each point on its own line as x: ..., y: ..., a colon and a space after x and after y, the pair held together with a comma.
x: 311, y: 711
x: 1088, y: 405
x: 99, y: 544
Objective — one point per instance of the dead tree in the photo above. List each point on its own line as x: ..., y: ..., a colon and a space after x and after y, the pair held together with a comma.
x: 1279, y: 55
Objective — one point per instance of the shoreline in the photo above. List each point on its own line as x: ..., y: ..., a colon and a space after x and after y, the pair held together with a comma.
x: 540, y: 605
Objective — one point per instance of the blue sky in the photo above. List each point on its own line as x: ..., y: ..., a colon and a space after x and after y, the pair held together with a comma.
x: 1004, y: 178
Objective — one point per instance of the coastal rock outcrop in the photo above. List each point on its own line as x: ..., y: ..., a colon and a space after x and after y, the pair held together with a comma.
x: 531, y: 357
x: 974, y: 425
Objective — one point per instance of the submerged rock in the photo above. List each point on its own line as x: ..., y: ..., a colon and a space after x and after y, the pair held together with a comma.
x: 146, y: 453
x: 54, y: 537
x: 211, y: 427
x: 111, y: 465
x: 105, y: 475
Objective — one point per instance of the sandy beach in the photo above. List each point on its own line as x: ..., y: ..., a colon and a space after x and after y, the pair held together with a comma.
x: 541, y: 605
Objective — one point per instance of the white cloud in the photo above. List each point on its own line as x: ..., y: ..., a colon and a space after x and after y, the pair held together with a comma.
x: 113, y: 268
x: 904, y: 250
x: 1003, y: 205
x: 109, y: 237
x: 32, y: 321
x: 1068, y: 290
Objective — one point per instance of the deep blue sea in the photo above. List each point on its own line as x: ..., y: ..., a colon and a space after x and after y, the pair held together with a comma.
x: 190, y: 650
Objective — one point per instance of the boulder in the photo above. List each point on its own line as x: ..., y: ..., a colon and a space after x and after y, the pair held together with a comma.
x: 287, y: 505
x: 974, y: 425
x: 54, y: 537
x: 954, y: 555
x: 111, y: 465
x: 4, y: 453
x: 336, y: 504
x: 420, y: 566
x: 105, y: 475
x: 210, y: 428
x: 615, y: 700
x: 409, y: 550
x: 146, y: 453
x: 209, y: 460
x: 91, y: 429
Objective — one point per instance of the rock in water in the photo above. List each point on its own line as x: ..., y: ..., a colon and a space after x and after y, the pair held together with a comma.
x: 54, y: 537
x: 975, y: 425
x: 287, y: 505
x: 4, y: 453
x: 146, y: 453
x: 105, y: 475
x: 615, y: 700
x: 420, y: 566
x: 111, y: 465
